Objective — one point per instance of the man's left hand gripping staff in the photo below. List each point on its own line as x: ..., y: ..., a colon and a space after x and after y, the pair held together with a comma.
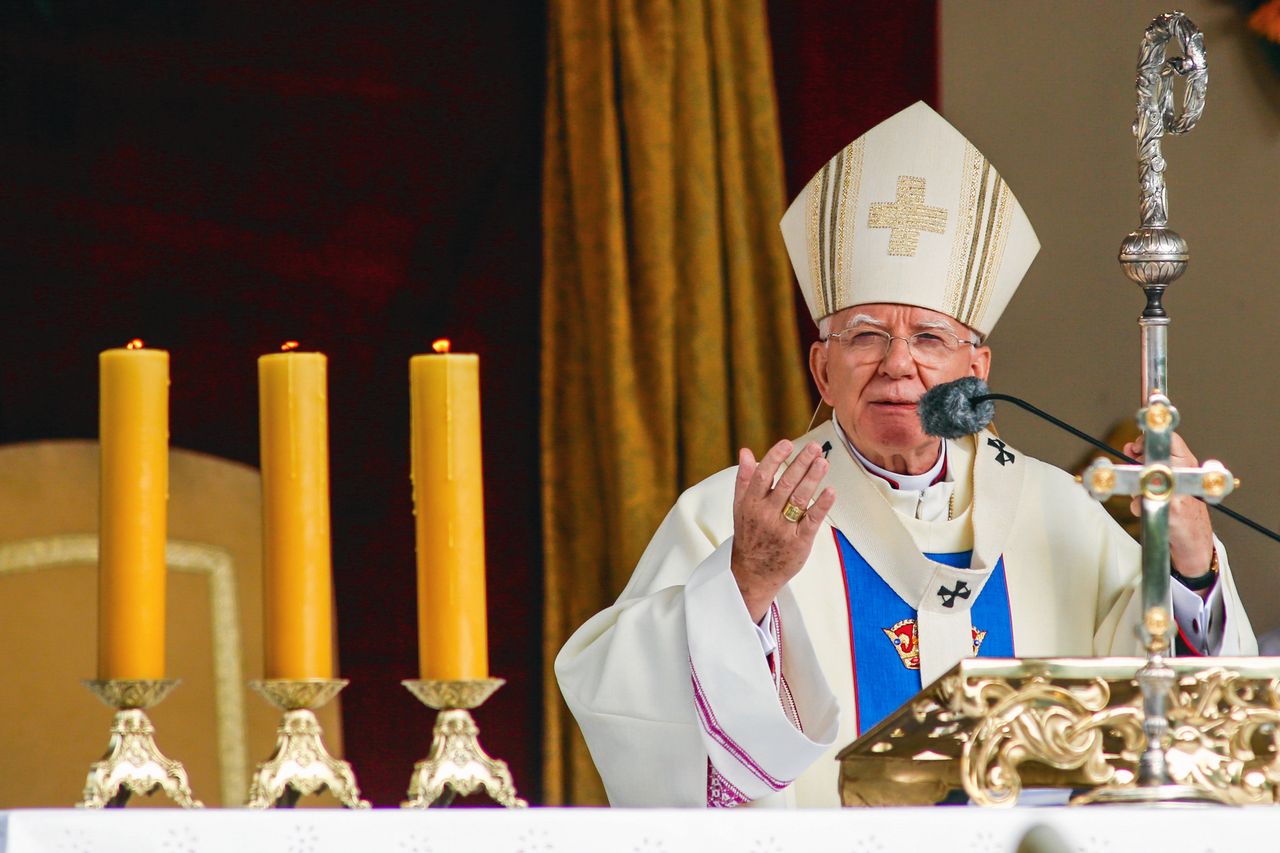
x: 1190, y: 530
x: 774, y: 525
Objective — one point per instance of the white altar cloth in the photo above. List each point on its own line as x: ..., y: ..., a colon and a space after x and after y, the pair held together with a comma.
x: 956, y: 829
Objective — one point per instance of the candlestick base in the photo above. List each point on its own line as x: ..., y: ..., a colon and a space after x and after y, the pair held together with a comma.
x: 300, y: 765
x: 133, y: 764
x: 456, y: 763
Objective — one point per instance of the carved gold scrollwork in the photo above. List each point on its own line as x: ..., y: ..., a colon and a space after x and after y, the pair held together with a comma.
x: 457, y: 765
x: 1059, y: 726
x: 993, y: 727
x: 134, y: 765
x: 1224, y: 735
x: 302, y: 767
x: 1224, y: 729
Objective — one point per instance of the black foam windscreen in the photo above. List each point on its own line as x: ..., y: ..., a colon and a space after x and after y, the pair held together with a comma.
x: 948, y: 410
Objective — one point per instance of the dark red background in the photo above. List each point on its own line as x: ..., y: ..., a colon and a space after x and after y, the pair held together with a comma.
x: 218, y: 177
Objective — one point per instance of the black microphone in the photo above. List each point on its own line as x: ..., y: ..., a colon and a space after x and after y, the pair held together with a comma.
x: 955, y: 409
x: 964, y: 406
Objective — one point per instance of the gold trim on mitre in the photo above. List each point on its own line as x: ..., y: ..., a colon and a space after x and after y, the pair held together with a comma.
x: 831, y: 196
x: 910, y: 212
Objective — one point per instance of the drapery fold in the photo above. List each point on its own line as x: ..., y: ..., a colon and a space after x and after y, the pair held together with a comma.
x: 668, y: 326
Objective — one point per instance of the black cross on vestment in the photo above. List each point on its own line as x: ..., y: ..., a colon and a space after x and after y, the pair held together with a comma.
x: 949, y: 596
x: 1002, y: 455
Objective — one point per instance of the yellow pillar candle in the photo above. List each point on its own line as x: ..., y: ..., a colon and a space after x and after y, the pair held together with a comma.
x: 133, y: 432
x: 297, y: 588
x: 448, y: 501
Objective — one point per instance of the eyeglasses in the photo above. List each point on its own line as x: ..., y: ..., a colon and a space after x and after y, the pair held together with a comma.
x: 930, y: 348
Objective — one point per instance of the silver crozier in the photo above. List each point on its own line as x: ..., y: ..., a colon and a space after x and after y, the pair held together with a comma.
x: 1154, y: 256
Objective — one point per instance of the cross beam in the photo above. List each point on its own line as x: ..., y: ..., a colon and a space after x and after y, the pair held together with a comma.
x: 1157, y: 482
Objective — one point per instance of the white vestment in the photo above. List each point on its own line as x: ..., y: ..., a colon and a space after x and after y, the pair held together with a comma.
x: 680, y: 706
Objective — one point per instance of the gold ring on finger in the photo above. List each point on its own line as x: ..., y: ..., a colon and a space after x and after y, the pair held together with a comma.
x: 793, y: 513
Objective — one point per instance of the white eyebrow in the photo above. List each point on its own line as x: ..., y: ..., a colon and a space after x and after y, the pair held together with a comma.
x: 868, y: 320
x: 937, y: 324
x: 864, y: 320
x: 945, y: 326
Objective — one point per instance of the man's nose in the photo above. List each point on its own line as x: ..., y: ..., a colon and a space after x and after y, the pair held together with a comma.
x: 898, y: 360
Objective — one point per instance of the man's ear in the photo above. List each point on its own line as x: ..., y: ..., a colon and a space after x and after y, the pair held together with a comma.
x: 818, y: 364
x: 980, y: 364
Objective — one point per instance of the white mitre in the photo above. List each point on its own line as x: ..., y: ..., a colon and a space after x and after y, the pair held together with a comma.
x: 910, y: 212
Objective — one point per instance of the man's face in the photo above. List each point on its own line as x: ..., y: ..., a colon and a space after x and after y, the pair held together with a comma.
x: 875, y: 398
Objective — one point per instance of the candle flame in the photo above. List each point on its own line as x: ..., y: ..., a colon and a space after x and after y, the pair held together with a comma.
x: 136, y: 343
x: 288, y: 345
x: 441, y: 345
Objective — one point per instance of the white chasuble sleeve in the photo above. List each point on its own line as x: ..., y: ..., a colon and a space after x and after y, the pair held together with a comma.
x: 633, y: 704
x: 673, y: 674
x: 745, y: 728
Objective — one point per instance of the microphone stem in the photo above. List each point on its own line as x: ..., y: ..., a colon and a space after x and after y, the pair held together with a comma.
x: 1083, y: 436
x: 1230, y: 513
x: 1245, y: 520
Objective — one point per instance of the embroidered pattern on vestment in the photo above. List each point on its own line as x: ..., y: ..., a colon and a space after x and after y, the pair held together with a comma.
x: 775, y: 664
x: 712, y: 727
x: 949, y: 595
x: 905, y: 637
x: 721, y: 793
x: 1003, y: 454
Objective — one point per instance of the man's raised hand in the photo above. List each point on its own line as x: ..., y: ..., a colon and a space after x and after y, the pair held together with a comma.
x: 769, y: 548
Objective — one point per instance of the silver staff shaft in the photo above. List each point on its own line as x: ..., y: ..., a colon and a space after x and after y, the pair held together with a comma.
x: 1156, y: 454
x: 1155, y: 357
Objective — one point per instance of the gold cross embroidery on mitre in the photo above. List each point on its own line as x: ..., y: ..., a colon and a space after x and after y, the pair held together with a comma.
x: 907, y: 216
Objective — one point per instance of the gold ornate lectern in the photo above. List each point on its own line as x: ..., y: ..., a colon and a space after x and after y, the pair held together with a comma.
x: 994, y: 726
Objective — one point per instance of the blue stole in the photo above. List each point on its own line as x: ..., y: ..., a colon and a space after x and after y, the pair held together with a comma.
x: 883, y: 637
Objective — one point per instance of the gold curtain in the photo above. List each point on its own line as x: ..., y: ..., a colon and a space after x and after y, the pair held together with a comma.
x: 668, y: 333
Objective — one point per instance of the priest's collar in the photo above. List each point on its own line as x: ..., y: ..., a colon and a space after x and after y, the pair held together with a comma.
x: 906, y: 482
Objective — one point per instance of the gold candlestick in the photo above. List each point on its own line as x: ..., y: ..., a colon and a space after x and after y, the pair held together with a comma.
x: 456, y: 763
x: 300, y: 764
x: 133, y: 764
